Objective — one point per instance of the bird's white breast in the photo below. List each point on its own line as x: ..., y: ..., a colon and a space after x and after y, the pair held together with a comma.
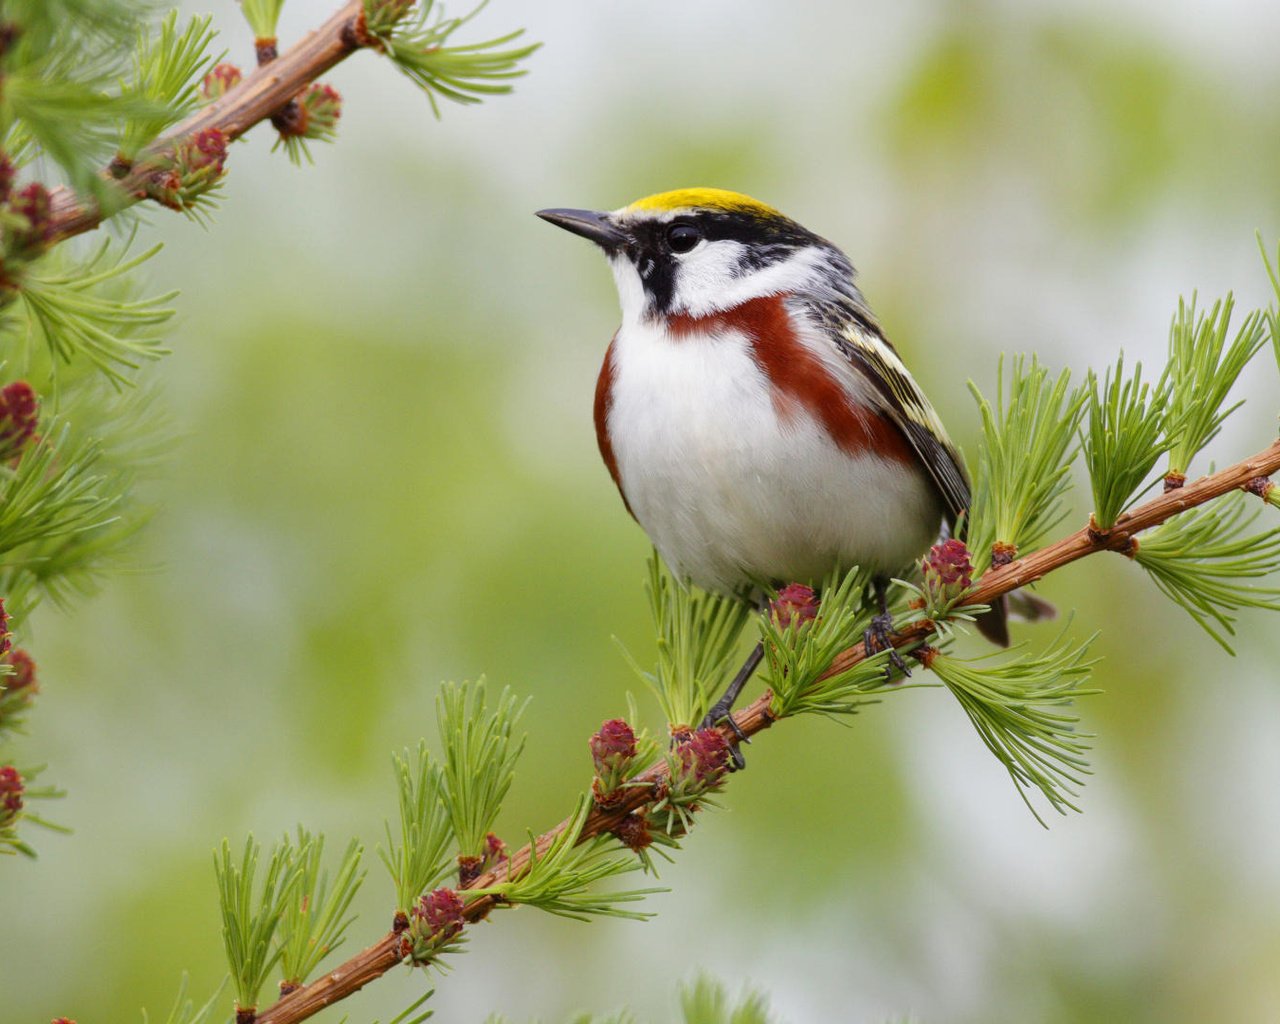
x: 729, y: 492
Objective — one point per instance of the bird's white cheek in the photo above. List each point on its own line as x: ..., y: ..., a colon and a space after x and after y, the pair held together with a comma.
x: 709, y: 280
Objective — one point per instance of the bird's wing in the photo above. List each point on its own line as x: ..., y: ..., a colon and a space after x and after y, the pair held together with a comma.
x: 860, y: 340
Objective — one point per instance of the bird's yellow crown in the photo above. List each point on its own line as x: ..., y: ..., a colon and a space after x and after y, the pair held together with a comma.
x: 701, y: 198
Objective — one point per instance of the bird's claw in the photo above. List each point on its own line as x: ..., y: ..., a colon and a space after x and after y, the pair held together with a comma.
x: 721, y: 713
x: 879, y: 637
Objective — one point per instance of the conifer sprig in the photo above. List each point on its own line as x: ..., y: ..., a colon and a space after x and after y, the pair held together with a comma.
x: 1121, y: 437
x: 1205, y: 558
x: 799, y: 653
x: 703, y: 1001
x: 105, y: 440
x: 697, y: 637
x: 184, y: 1009
x: 53, y: 491
x: 1019, y: 704
x: 413, y: 1013
x: 62, y: 74
x: 1028, y: 445
x: 465, y: 73
x: 168, y: 67
x: 251, y: 914
x: 16, y: 793
x: 706, y: 1002
x: 1272, y: 313
x: 421, y: 859
x: 263, y: 16
x: 315, y: 917
x: 561, y: 879
x: 89, y: 309
x: 1203, y: 367
x: 480, y: 754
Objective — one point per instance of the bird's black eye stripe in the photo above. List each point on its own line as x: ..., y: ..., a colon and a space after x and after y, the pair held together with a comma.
x: 682, y: 236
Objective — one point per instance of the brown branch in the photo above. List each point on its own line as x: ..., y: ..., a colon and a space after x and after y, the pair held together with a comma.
x: 260, y: 94
x: 755, y: 717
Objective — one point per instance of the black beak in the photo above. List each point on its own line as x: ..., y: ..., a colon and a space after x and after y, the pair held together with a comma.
x: 598, y: 227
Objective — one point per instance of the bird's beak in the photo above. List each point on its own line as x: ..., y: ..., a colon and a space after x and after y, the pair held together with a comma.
x: 598, y: 227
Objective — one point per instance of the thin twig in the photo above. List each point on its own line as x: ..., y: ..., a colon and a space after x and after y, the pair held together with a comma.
x: 379, y: 958
x: 262, y: 92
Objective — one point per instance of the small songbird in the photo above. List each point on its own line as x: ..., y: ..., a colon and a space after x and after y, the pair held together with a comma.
x: 759, y: 425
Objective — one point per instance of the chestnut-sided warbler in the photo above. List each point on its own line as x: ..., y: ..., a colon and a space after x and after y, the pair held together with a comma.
x: 759, y: 425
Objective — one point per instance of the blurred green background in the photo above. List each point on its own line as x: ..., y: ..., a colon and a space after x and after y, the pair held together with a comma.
x: 386, y: 475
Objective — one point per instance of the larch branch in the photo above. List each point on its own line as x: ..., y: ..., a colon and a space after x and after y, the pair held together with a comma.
x: 260, y: 94
x: 755, y: 717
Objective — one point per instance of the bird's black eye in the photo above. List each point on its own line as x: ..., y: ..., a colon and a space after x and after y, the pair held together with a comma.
x: 683, y: 237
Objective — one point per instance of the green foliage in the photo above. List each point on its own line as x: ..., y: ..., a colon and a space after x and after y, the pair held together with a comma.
x: 561, y: 878
x: 464, y: 74
x: 421, y: 859
x: 168, y: 67
x: 1122, y: 437
x: 52, y: 492
x: 184, y: 1009
x: 1017, y: 702
x: 263, y: 16
x: 1272, y: 313
x: 1202, y: 369
x: 480, y: 754
x: 697, y: 635
x: 798, y: 654
x: 410, y: 1014
x: 89, y: 309
x: 1202, y: 558
x: 62, y: 97
x: 1026, y: 455
x: 251, y: 915
x: 315, y: 916
x: 83, y: 510
x: 71, y: 94
x: 706, y: 1002
x: 10, y: 843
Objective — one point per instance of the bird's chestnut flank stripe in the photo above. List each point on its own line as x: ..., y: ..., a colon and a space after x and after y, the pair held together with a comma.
x: 371, y: 963
x: 798, y: 378
x: 603, y: 402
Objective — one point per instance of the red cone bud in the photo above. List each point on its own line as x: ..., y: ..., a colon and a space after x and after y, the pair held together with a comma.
x: 19, y: 414
x: 24, y: 673
x: 794, y: 603
x: 494, y: 849
x: 320, y: 107
x: 11, y: 788
x: 948, y: 572
x: 613, y: 745
x: 220, y: 81
x: 441, y: 911
x: 705, y: 756
x: 207, y: 148
x: 32, y: 203
x: 6, y: 638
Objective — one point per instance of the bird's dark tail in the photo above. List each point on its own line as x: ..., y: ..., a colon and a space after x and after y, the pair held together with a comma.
x: 1021, y: 604
x: 994, y: 623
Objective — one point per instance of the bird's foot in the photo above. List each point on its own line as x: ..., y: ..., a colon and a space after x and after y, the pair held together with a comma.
x: 722, y: 712
x: 879, y: 637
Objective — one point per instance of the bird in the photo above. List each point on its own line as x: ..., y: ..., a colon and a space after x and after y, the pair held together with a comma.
x: 755, y: 419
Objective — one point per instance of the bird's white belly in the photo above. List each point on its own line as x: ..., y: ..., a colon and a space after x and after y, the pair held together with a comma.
x: 730, y: 493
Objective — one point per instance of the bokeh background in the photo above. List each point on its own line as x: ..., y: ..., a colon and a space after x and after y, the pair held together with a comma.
x: 385, y: 475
